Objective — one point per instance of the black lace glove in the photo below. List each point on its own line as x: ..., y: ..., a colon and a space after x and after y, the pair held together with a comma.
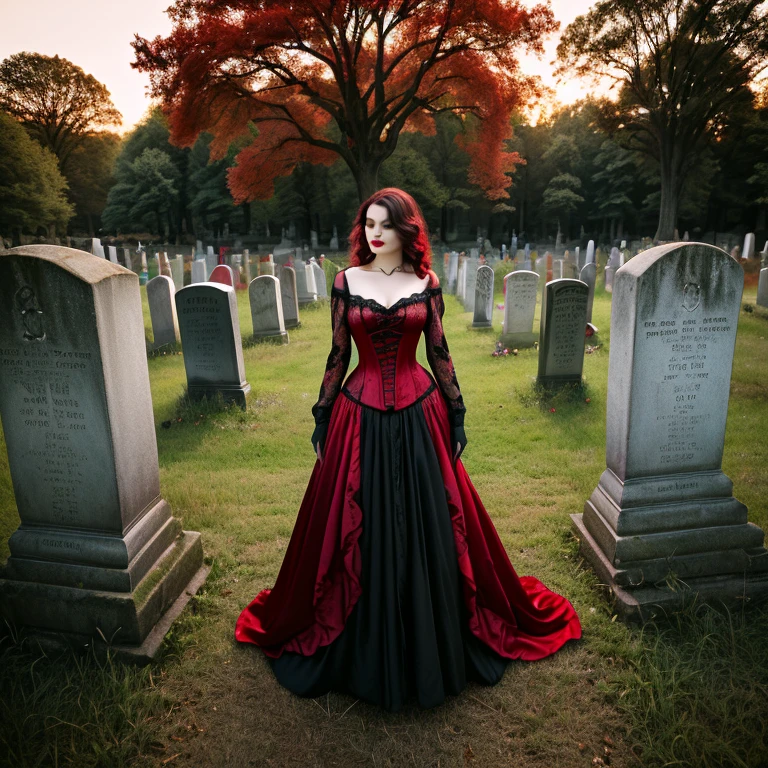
x: 322, y: 416
x: 458, y: 437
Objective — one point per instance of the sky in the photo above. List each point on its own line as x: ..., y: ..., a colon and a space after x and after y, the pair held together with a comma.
x: 96, y: 35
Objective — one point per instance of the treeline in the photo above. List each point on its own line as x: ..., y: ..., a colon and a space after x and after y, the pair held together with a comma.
x: 579, y: 178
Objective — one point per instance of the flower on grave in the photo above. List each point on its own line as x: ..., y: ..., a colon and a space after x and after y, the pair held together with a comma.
x: 506, y: 351
x: 552, y: 410
x: 514, y: 352
x: 590, y: 331
x: 588, y: 400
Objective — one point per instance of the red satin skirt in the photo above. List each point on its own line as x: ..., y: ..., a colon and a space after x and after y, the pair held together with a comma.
x: 395, y: 585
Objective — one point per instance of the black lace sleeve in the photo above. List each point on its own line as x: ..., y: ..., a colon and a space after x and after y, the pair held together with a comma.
x: 341, y: 350
x: 440, y: 358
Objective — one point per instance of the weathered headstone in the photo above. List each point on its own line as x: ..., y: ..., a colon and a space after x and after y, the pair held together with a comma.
x: 470, y: 281
x: 289, y: 298
x: 247, y: 266
x: 97, y: 249
x: 210, y: 338
x: 177, y: 270
x: 112, y: 251
x: 748, y: 251
x: 267, y: 308
x: 211, y: 260
x: 127, y: 260
x: 162, y: 311
x: 562, y: 332
x: 519, y: 308
x: 321, y: 284
x: 663, y: 505
x: 588, y: 275
x: 609, y: 272
x: 483, y: 311
x: 199, y: 271
x: 222, y: 273
x: 590, y: 258
x: 98, y: 550
x: 453, y: 269
x: 305, y: 283
x: 762, y: 288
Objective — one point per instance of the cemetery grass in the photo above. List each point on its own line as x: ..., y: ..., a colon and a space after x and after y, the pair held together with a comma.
x: 689, y: 691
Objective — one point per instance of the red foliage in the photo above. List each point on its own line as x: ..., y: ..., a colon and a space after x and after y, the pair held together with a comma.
x: 312, y: 80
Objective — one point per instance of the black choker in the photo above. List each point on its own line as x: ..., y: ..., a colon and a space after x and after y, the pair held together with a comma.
x: 388, y: 274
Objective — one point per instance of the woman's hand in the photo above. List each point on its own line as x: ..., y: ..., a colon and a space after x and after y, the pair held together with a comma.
x: 459, y: 440
x: 318, y: 438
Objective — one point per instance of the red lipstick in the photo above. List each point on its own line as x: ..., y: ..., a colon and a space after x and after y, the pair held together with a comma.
x: 377, y: 243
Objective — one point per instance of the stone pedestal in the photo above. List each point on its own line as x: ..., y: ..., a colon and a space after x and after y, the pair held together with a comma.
x: 98, y: 550
x: 663, y: 507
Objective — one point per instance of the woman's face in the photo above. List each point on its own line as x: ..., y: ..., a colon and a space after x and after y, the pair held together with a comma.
x: 382, y: 237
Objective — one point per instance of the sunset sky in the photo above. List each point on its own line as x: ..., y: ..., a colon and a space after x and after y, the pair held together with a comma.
x: 96, y: 35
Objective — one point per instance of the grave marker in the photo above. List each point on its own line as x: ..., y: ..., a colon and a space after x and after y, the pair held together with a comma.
x: 588, y: 275
x: 288, y: 297
x: 519, y: 307
x: 223, y: 274
x: 267, y: 308
x: 199, y: 273
x: 483, y: 312
x: 97, y: 549
x: 562, y: 332
x: 162, y: 311
x: 663, y: 504
x: 210, y: 337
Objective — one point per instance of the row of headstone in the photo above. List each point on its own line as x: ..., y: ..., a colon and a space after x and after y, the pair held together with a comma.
x: 663, y: 505
x: 77, y: 419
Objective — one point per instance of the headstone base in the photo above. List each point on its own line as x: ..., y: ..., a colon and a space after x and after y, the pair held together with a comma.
x: 648, y: 600
x: 281, y: 336
x: 557, y: 382
x: 231, y: 394
x: 519, y: 340
x: 126, y: 618
x: 482, y: 324
x: 100, y: 561
x: 292, y: 324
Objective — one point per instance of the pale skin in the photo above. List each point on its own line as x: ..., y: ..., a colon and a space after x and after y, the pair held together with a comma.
x: 371, y: 282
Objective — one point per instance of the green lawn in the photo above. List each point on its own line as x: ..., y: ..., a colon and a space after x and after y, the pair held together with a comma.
x: 690, y: 692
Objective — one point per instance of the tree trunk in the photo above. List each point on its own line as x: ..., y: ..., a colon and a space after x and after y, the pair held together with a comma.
x: 670, y: 196
x: 367, y: 178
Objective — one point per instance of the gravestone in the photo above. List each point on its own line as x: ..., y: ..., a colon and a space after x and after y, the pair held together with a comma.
x: 609, y: 271
x: 288, y: 297
x: 483, y: 311
x: 541, y: 270
x: 321, y: 284
x: 199, y: 271
x: 663, y: 505
x: 165, y: 265
x: 127, y: 261
x: 222, y: 273
x: 588, y: 275
x: 305, y: 283
x: 315, y: 243
x: 97, y: 249
x: 177, y: 270
x: 453, y: 270
x: 112, y: 251
x: 144, y: 274
x: 590, y: 258
x: 267, y: 308
x: 211, y: 262
x: 762, y: 288
x: 97, y: 550
x: 562, y: 333
x: 247, y: 266
x: 470, y: 281
x: 748, y: 251
x: 210, y: 338
x: 162, y: 311
x: 519, y: 307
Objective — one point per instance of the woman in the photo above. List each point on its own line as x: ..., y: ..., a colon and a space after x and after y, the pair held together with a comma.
x: 395, y: 583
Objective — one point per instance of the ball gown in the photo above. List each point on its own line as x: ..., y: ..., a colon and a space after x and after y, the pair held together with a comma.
x: 395, y: 586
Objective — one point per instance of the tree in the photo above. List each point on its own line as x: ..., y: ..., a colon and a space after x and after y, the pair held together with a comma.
x: 32, y: 190
x: 91, y: 175
x: 55, y: 100
x: 683, y: 67
x: 319, y: 80
x: 615, y: 179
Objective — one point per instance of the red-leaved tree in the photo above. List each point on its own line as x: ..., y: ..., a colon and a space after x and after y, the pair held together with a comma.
x: 319, y: 79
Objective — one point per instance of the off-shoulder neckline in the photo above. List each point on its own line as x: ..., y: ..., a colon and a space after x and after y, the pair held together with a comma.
x: 363, y: 301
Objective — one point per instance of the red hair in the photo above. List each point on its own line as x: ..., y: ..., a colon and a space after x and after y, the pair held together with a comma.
x: 407, y: 219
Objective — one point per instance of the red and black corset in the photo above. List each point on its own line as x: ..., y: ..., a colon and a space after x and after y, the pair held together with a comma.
x: 388, y: 377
